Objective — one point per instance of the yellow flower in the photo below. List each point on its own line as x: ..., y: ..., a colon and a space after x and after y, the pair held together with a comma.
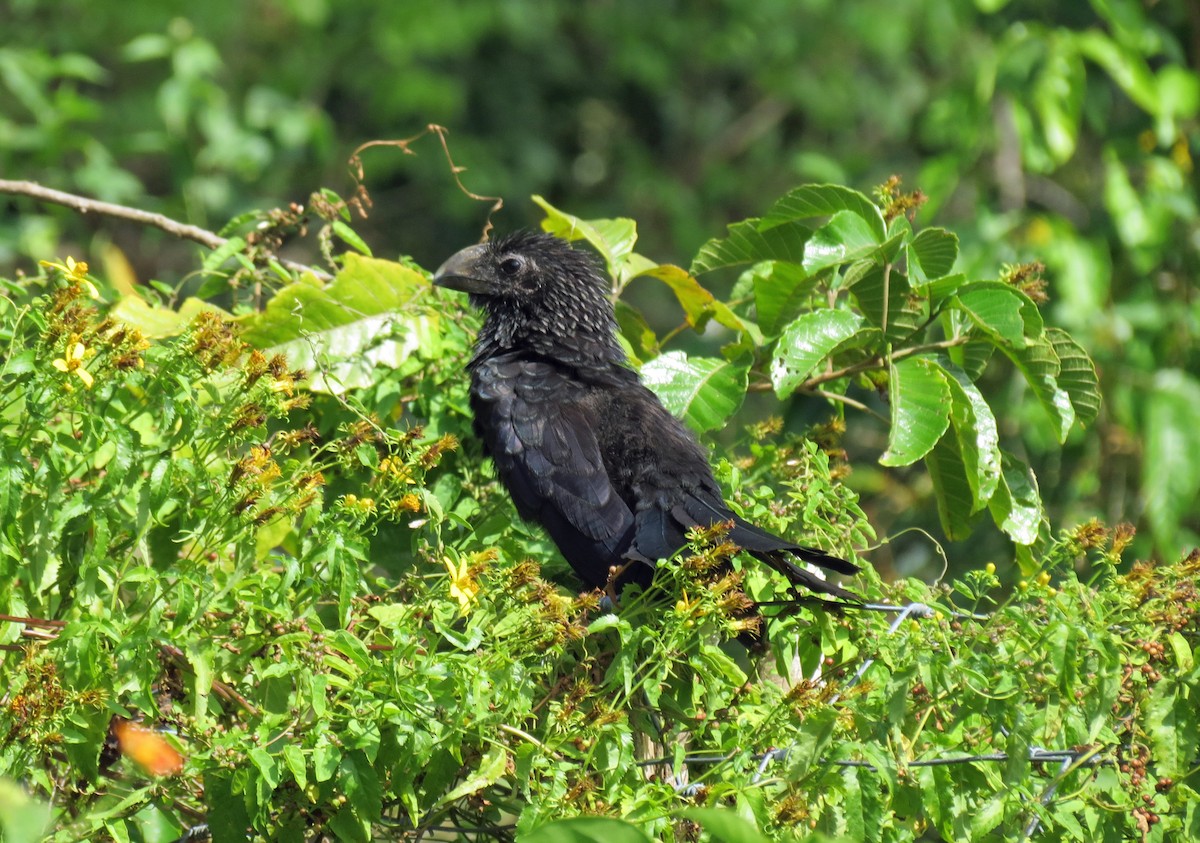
x: 75, y: 271
x: 462, y: 587
x: 72, y: 361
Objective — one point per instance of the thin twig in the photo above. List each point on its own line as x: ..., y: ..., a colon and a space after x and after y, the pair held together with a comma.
x: 876, y: 362
x: 84, y: 205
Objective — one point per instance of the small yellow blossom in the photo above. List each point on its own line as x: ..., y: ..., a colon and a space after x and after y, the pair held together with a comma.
x: 72, y: 361
x: 462, y: 587
x: 75, y: 271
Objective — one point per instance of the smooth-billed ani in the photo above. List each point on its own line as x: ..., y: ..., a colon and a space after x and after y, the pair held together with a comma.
x: 583, y: 447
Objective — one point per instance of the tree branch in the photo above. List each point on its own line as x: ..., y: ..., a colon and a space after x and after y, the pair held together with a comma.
x: 84, y: 205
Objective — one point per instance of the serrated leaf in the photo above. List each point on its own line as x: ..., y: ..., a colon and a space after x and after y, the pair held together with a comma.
x: 920, y: 399
x: 781, y: 291
x: 339, y: 332
x: 745, y: 243
x: 932, y: 254
x: 703, y: 391
x: 819, y: 200
x: 903, y: 313
x: 1077, y: 375
x: 1000, y: 310
x: 805, y: 342
x: 1039, y: 364
x: 1016, y: 506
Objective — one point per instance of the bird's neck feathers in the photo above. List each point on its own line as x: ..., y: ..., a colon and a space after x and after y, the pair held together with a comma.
x: 573, y: 326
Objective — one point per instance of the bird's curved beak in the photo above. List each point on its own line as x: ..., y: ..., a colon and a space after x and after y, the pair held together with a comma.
x: 462, y: 272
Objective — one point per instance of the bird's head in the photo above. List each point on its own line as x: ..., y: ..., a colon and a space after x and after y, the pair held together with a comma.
x: 532, y: 283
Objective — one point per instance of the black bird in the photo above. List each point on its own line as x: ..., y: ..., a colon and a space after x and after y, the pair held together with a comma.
x: 583, y: 447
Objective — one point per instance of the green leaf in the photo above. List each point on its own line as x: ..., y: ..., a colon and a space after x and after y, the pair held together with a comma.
x: 1000, y: 310
x: 1016, y: 506
x: 703, y: 391
x: 977, y: 433
x: 699, y: 305
x: 491, y: 769
x: 920, y: 399
x: 1171, y: 460
x: 806, y: 342
x: 585, y: 830
x: 155, y: 321
x: 745, y: 243
x: 23, y: 819
x: 819, y: 200
x: 952, y: 492
x: 1077, y: 375
x: 374, y: 313
x: 1039, y: 364
x: 846, y: 237
x: 931, y: 254
x: 349, y: 236
x: 725, y: 826
x: 614, y: 239
x: 903, y: 313
x: 781, y: 291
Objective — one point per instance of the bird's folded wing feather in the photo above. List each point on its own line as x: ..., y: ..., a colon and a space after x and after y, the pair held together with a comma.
x: 545, y: 448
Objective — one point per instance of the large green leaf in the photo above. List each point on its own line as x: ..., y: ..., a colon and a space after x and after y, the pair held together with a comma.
x: 585, y: 830
x: 1171, y: 462
x: 155, y: 321
x: 1039, y: 364
x: 725, y: 826
x: 920, y: 399
x: 1000, y: 310
x: 614, y: 239
x: 699, y: 305
x: 846, y: 237
x: 903, y: 314
x: 781, y: 291
x: 369, y: 315
x: 931, y: 254
x: 820, y: 200
x: 1016, y: 506
x: 977, y: 433
x: 745, y: 243
x: 1077, y: 375
x: 954, y: 495
x: 805, y: 342
x: 703, y: 391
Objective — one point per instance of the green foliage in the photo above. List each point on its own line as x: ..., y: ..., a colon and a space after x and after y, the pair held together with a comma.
x: 330, y: 606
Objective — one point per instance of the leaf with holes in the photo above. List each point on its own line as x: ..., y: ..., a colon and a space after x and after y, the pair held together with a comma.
x: 703, y: 391
x: 806, y: 342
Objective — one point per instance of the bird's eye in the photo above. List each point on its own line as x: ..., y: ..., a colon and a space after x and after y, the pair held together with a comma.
x: 511, y: 266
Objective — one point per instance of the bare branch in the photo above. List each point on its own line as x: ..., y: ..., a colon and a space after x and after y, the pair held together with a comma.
x: 84, y: 205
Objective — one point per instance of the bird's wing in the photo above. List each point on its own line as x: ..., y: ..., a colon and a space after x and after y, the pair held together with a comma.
x: 544, y: 444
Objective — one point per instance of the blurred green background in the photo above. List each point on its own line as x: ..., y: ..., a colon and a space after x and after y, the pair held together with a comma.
x: 1060, y: 130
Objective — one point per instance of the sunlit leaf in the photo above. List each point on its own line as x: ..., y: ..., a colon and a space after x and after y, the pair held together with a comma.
x: 932, y: 254
x: 703, y: 391
x: 614, y: 239
x: 1077, y: 375
x: 1016, y: 505
x: 1001, y: 310
x: 585, y: 830
x: 819, y: 200
x: 781, y: 291
x: 1039, y: 364
x: 805, y: 342
x: 920, y: 399
x: 952, y: 492
x: 745, y: 243
x: 977, y: 433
